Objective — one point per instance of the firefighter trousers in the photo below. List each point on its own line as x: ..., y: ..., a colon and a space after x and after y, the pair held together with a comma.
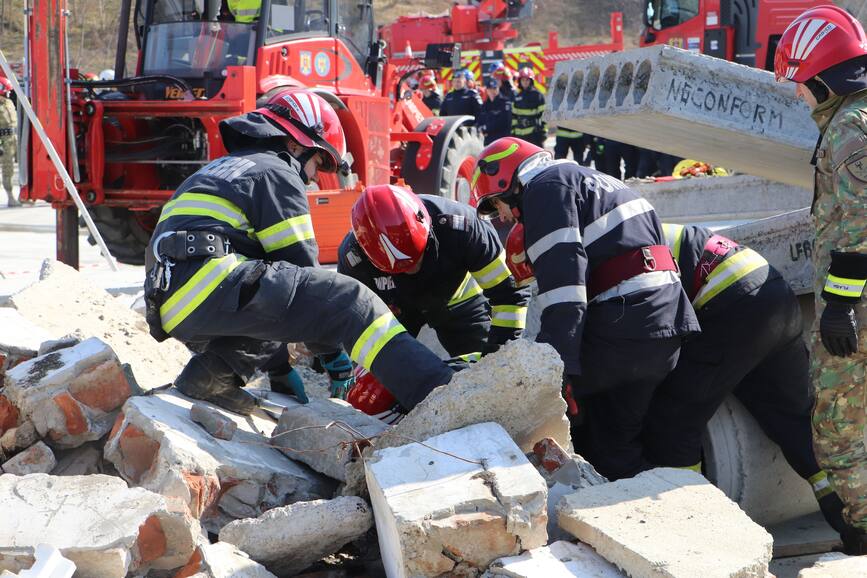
x: 261, y: 303
x: 622, y: 375
x: 752, y: 348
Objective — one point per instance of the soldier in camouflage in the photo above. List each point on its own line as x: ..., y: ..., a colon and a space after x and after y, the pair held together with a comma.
x: 8, y: 139
x: 824, y: 51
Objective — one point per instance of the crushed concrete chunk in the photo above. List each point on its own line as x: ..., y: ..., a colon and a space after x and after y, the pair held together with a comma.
x: 221, y: 560
x: 559, y: 560
x: 80, y: 461
x: 72, y: 396
x: 440, y: 511
x: 301, y: 432
x: 517, y: 387
x: 668, y: 523
x: 156, y: 445
x: 37, y: 459
x: 64, y: 303
x: 107, y: 529
x: 53, y: 345
x: 836, y: 565
x: 19, y: 340
x: 213, y: 421
x: 10, y: 417
x: 49, y: 563
x: 289, y: 539
x: 18, y: 438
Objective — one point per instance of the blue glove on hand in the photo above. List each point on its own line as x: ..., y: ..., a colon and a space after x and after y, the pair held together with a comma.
x: 290, y: 384
x: 339, y: 368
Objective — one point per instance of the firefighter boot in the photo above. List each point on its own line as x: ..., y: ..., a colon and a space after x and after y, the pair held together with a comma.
x: 832, y: 510
x: 209, y: 378
x: 854, y: 541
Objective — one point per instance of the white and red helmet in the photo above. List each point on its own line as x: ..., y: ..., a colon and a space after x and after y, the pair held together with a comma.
x: 818, y: 39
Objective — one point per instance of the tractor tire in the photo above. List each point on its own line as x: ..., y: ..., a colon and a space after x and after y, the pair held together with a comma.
x: 464, y: 146
x: 126, y: 233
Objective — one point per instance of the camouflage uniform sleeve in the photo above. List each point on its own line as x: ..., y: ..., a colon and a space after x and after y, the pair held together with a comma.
x: 848, y: 152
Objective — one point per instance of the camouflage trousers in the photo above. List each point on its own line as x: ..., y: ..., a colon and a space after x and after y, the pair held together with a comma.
x: 7, y: 162
x: 838, y: 424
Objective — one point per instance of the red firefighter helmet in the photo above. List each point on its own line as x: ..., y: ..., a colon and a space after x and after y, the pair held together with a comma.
x: 5, y: 86
x: 428, y: 82
x: 500, y: 72
x: 392, y: 226
x: 310, y: 120
x: 516, y: 257
x: 815, y: 41
x: 368, y: 394
x: 527, y: 72
x: 497, y: 169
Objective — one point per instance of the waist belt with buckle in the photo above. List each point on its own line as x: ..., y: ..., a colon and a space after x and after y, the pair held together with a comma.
x: 627, y: 265
x: 174, y: 246
x: 715, y: 251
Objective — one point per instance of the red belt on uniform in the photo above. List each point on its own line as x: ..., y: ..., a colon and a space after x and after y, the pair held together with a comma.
x: 715, y: 251
x: 627, y: 265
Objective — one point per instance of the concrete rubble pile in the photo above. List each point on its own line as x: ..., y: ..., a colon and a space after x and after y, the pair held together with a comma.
x: 478, y: 479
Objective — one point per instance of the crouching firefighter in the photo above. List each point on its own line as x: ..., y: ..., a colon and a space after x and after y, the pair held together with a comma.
x: 221, y: 276
x: 750, y: 345
x: 433, y: 261
x: 612, y: 304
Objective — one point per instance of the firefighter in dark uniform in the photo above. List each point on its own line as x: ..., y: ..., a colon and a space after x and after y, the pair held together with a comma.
x: 430, y: 96
x: 495, y: 120
x: 461, y: 100
x: 750, y: 345
x: 220, y: 266
x: 433, y: 261
x: 527, y: 123
x: 577, y: 142
x: 612, y: 303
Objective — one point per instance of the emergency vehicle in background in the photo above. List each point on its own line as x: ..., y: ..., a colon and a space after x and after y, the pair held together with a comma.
x: 129, y: 142
x: 742, y: 31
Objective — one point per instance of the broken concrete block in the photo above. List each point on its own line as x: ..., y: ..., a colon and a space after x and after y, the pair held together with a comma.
x: 559, y: 560
x: 668, y: 523
x: 53, y: 345
x: 37, y: 459
x: 456, y: 502
x: 836, y: 565
x: 64, y: 303
x: 689, y: 105
x: 80, y: 461
x: 213, y: 421
x: 107, y: 529
x: 49, y: 563
x: 289, y: 539
x: 19, y: 340
x: 9, y: 415
x: 303, y: 436
x: 18, y: 438
x: 72, y: 395
x: 156, y: 445
x: 517, y: 387
x: 221, y: 560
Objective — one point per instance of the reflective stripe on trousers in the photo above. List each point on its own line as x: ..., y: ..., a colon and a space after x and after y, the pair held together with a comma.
x: 199, y: 287
x: 374, y: 338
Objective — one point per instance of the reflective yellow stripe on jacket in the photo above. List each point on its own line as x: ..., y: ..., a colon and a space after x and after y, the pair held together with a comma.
x: 465, y: 291
x: 844, y: 287
x: 673, y: 238
x: 374, y: 338
x: 198, y: 288
x: 513, y: 316
x: 727, y: 273
x: 493, y: 273
x: 245, y: 10
x: 203, y: 205
x: 286, y: 233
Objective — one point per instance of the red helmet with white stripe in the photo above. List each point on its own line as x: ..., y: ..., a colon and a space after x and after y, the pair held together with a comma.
x: 496, y: 171
x: 428, y: 82
x: 310, y: 120
x: 527, y: 72
x: 392, y: 226
x: 817, y: 40
x: 368, y: 394
x: 516, y: 257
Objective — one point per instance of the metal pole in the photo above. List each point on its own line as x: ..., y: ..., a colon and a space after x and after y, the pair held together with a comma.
x: 55, y: 159
x: 120, y: 54
x: 70, y: 124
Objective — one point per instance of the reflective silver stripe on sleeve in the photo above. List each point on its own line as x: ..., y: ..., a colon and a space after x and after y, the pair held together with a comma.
x: 564, y: 235
x: 615, y: 217
x: 567, y: 294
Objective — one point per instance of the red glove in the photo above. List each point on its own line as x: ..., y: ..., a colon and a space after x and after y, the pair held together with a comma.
x: 571, y: 404
x: 371, y: 397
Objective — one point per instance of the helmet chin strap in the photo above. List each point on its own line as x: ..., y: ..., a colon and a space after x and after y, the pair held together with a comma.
x: 819, y: 90
x: 302, y: 158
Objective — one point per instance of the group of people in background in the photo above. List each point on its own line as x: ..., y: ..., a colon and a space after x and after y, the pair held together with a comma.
x: 501, y: 109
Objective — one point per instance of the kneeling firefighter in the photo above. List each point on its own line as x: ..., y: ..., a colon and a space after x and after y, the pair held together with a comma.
x: 222, y: 276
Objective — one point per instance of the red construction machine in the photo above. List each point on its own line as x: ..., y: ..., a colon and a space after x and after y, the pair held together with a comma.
x: 128, y: 143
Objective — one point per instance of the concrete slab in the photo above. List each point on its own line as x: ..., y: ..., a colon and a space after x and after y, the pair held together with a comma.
x: 49, y: 563
x: 303, y: 436
x: 455, y: 503
x: 221, y: 560
x: 656, y: 524
x: 19, y: 339
x: 107, y: 529
x: 559, y: 560
x: 156, y: 445
x: 689, y: 105
x: 836, y: 566
x: 808, y: 534
x: 72, y: 396
x: 63, y: 302
x: 789, y: 567
x: 289, y: 539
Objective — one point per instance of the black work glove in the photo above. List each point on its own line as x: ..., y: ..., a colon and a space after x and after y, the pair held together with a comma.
x: 839, y: 329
